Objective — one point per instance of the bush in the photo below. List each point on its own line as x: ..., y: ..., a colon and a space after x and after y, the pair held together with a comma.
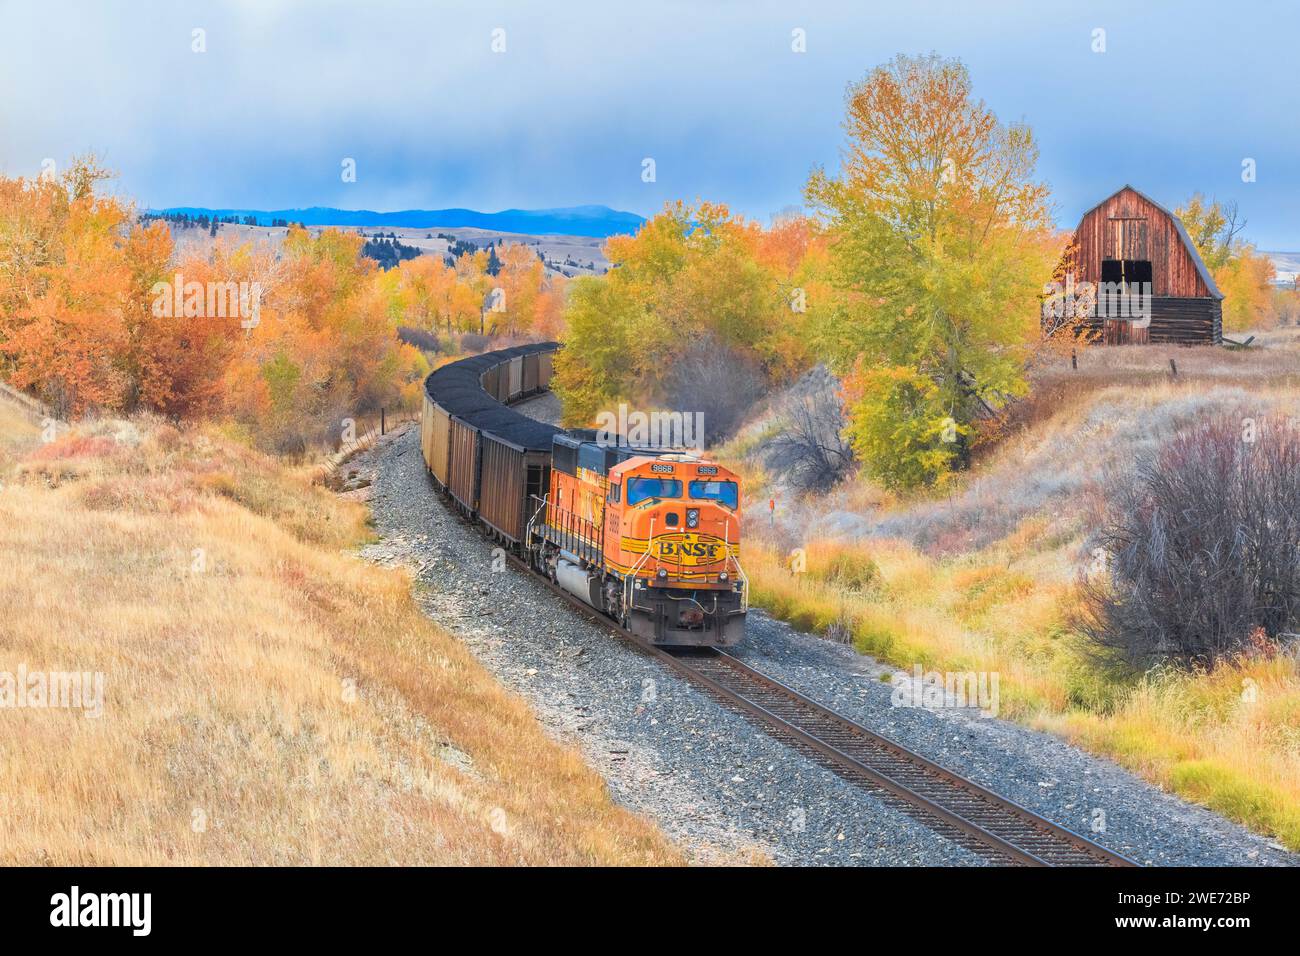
x: 843, y: 567
x: 474, y: 343
x: 1201, y: 545
x: 810, y: 451
x: 718, y: 381
x: 422, y: 339
x: 902, y: 428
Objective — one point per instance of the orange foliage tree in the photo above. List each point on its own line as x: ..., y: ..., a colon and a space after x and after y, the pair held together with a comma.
x: 76, y: 320
x: 323, y: 352
x: 696, y: 287
x: 98, y: 313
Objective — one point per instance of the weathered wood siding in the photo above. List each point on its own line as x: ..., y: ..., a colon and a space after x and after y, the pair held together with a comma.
x: 1174, y: 321
x: 1130, y: 226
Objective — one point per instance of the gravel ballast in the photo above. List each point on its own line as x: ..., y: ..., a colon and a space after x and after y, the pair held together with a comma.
x: 718, y: 785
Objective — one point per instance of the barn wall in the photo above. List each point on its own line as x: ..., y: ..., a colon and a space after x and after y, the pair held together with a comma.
x: 1128, y: 226
x: 1178, y: 321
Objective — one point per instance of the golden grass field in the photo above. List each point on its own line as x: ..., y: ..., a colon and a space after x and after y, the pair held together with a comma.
x: 1000, y: 602
x: 269, y: 698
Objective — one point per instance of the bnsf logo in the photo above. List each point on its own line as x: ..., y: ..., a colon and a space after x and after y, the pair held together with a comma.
x: 690, y: 548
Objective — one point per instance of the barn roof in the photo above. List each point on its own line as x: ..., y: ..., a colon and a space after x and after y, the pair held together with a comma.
x: 1182, y: 234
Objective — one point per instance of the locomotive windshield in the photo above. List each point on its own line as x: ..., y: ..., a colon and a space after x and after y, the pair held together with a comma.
x: 723, y: 491
x: 639, y: 489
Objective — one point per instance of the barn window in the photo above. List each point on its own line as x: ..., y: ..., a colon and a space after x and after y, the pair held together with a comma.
x: 1125, y: 270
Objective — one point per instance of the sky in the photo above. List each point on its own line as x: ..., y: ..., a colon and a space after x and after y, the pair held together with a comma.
x: 583, y: 92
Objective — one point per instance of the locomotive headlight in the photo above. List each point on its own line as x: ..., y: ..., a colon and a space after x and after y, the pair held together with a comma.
x: 723, y: 577
x: 662, y: 574
x: 692, y: 517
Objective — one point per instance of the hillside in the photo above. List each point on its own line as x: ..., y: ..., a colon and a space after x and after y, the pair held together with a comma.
x: 592, y: 221
x: 562, y: 255
x: 984, y: 578
x: 267, y: 697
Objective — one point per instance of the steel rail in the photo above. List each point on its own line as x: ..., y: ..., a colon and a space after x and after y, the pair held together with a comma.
x: 997, y: 829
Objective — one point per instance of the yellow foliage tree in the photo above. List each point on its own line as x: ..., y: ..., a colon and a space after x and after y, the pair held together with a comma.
x: 696, y: 286
x: 1243, y: 275
x: 940, y: 238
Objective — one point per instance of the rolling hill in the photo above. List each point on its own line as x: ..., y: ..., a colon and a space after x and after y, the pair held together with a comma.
x: 591, y: 221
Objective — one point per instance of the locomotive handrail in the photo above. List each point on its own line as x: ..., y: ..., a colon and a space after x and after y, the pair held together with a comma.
x: 630, y: 580
x: 726, y: 556
x: 529, y: 528
x: 572, y: 533
x: 744, y: 586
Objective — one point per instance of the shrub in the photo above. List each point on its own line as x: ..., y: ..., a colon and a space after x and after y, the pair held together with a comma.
x: 1201, y: 544
x: 901, y: 427
x: 810, y: 450
x: 721, y: 382
x: 422, y: 339
x: 473, y: 342
x: 843, y: 567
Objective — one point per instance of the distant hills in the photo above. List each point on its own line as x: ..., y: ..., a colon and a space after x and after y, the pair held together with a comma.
x: 1287, y: 266
x: 592, y: 221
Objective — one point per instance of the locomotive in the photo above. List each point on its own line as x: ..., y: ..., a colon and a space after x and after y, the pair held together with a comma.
x: 649, y: 537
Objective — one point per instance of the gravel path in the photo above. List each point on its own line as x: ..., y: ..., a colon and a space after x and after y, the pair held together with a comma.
x: 717, y: 785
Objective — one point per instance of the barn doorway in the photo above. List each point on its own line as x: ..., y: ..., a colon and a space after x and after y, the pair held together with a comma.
x: 1126, y: 271
x: 1122, y: 279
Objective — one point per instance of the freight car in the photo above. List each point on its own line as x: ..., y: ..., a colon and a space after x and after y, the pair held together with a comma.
x: 647, y: 536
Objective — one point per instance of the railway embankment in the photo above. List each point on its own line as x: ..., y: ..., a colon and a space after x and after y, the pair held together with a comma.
x: 209, y: 676
x: 716, y: 784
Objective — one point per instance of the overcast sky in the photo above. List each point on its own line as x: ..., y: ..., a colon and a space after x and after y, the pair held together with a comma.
x: 712, y: 91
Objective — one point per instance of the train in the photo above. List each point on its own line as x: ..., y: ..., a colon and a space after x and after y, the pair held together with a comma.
x: 649, y: 537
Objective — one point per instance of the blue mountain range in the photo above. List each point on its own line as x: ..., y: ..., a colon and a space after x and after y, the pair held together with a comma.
x: 593, y: 221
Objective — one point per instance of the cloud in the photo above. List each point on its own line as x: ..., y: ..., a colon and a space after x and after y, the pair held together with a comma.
x: 585, y: 90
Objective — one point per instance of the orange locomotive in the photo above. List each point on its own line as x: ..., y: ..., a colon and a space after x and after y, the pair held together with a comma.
x: 651, y: 538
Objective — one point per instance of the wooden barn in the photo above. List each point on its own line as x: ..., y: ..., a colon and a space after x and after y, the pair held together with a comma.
x: 1128, y: 238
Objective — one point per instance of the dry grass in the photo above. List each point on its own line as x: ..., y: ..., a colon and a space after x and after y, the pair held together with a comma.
x: 1229, y: 739
x: 17, y: 431
x: 269, y: 699
x: 985, y: 580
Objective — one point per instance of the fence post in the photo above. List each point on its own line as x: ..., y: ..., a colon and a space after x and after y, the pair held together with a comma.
x: 1173, y: 367
x: 383, y: 420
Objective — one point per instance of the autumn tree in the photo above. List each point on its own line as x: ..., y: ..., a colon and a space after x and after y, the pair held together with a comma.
x: 175, y: 362
x: 696, y: 286
x: 1244, y: 276
x: 938, y: 255
x: 77, y: 323
x: 1214, y: 228
x: 325, y: 350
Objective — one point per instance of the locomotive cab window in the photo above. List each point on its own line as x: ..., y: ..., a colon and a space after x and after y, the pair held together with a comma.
x: 721, y: 491
x: 639, y: 489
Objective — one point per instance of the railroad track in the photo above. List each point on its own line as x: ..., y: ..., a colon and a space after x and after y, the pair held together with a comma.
x: 960, y: 810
